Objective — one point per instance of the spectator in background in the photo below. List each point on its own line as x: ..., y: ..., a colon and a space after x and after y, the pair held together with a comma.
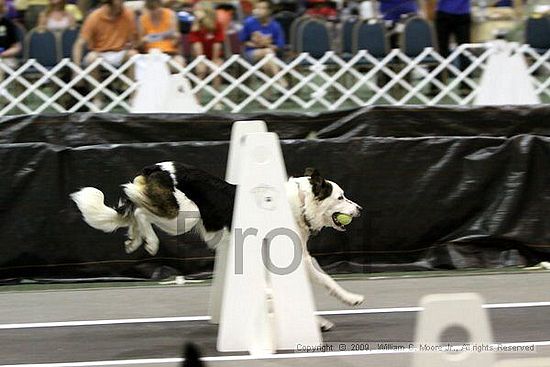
x: 452, y: 18
x: 109, y: 32
x: 158, y: 29
x: 206, y: 37
x: 262, y: 36
x: 12, y: 12
x: 224, y: 15
x: 321, y: 9
x: 56, y: 17
x: 10, y: 46
x: 393, y: 11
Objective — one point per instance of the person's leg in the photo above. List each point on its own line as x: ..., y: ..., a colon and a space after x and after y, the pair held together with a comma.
x: 443, y: 28
x: 179, y: 60
x: 270, y: 67
x: 463, y: 35
x: 218, y: 79
x: 91, y: 57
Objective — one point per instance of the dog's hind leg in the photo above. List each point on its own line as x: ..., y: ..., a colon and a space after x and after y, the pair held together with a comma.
x: 324, y: 324
x: 213, y: 239
x: 334, y: 289
x: 135, y: 238
x: 145, y: 227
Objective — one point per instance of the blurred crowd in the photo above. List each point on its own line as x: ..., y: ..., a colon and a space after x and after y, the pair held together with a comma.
x: 116, y: 30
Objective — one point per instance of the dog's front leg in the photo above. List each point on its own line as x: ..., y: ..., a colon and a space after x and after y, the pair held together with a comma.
x: 145, y: 227
x: 334, y: 289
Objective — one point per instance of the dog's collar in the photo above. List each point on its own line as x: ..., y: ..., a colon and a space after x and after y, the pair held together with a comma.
x: 302, y: 199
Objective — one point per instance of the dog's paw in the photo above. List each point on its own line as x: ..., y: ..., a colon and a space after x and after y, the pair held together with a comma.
x: 353, y: 299
x: 152, y: 246
x: 132, y: 245
x: 324, y: 324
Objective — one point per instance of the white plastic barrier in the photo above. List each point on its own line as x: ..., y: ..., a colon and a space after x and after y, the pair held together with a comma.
x: 328, y: 83
x: 238, y: 133
x: 267, y: 301
x: 442, y: 311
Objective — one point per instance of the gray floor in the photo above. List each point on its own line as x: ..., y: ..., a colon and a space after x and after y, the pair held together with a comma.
x: 132, y: 342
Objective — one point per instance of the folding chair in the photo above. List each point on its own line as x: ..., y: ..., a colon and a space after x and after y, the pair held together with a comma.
x: 537, y: 34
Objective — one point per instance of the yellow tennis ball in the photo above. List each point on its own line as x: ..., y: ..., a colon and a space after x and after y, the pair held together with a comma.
x: 344, y: 219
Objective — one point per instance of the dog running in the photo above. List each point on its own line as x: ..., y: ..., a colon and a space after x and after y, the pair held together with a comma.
x: 167, y: 194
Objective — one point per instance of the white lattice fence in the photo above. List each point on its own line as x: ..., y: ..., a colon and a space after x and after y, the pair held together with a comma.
x: 303, y: 83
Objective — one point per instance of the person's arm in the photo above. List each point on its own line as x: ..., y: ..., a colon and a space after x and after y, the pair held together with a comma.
x: 13, y: 51
x: 197, y: 49
x: 195, y: 39
x: 133, y: 36
x: 217, y: 47
x: 78, y: 50
x: 175, y: 34
x: 217, y: 52
x: 142, y: 40
x: 15, y: 48
x: 246, y: 36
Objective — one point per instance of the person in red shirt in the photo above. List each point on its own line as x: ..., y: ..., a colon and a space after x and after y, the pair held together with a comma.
x: 206, y: 37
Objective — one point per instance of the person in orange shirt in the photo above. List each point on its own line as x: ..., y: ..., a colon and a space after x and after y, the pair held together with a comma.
x: 109, y: 32
x: 158, y: 29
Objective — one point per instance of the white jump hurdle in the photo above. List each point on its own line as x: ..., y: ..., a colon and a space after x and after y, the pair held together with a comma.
x: 442, y: 311
x: 261, y: 309
x: 238, y: 132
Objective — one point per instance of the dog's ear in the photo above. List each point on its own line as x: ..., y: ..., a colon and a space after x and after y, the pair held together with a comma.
x: 320, y: 187
x: 150, y: 169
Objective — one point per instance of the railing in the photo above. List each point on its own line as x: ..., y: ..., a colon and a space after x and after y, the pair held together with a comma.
x: 302, y: 83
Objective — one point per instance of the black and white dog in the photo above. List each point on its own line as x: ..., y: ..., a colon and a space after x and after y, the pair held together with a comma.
x: 166, y: 193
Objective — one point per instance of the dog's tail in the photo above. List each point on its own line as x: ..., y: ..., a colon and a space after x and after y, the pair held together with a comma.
x: 192, y: 356
x: 91, y: 203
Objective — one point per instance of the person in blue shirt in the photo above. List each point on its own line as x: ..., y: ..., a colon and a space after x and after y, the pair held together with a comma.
x: 453, y: 18
x: 262, y: 35
x: 392, y: 12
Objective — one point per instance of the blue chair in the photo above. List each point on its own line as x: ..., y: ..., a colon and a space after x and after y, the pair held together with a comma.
x: 537, y: 33
x: 417, y: 35
x: 285, y: 19
x: 371, y: 37
x: 293, y: 32
x: 347, y: 38
x: 68, y: 37
x: 20, y: 35
x: 314, y: 38
x: 42, y: 46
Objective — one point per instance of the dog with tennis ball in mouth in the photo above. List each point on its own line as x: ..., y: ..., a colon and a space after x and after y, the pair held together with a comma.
x: 164, y: 195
